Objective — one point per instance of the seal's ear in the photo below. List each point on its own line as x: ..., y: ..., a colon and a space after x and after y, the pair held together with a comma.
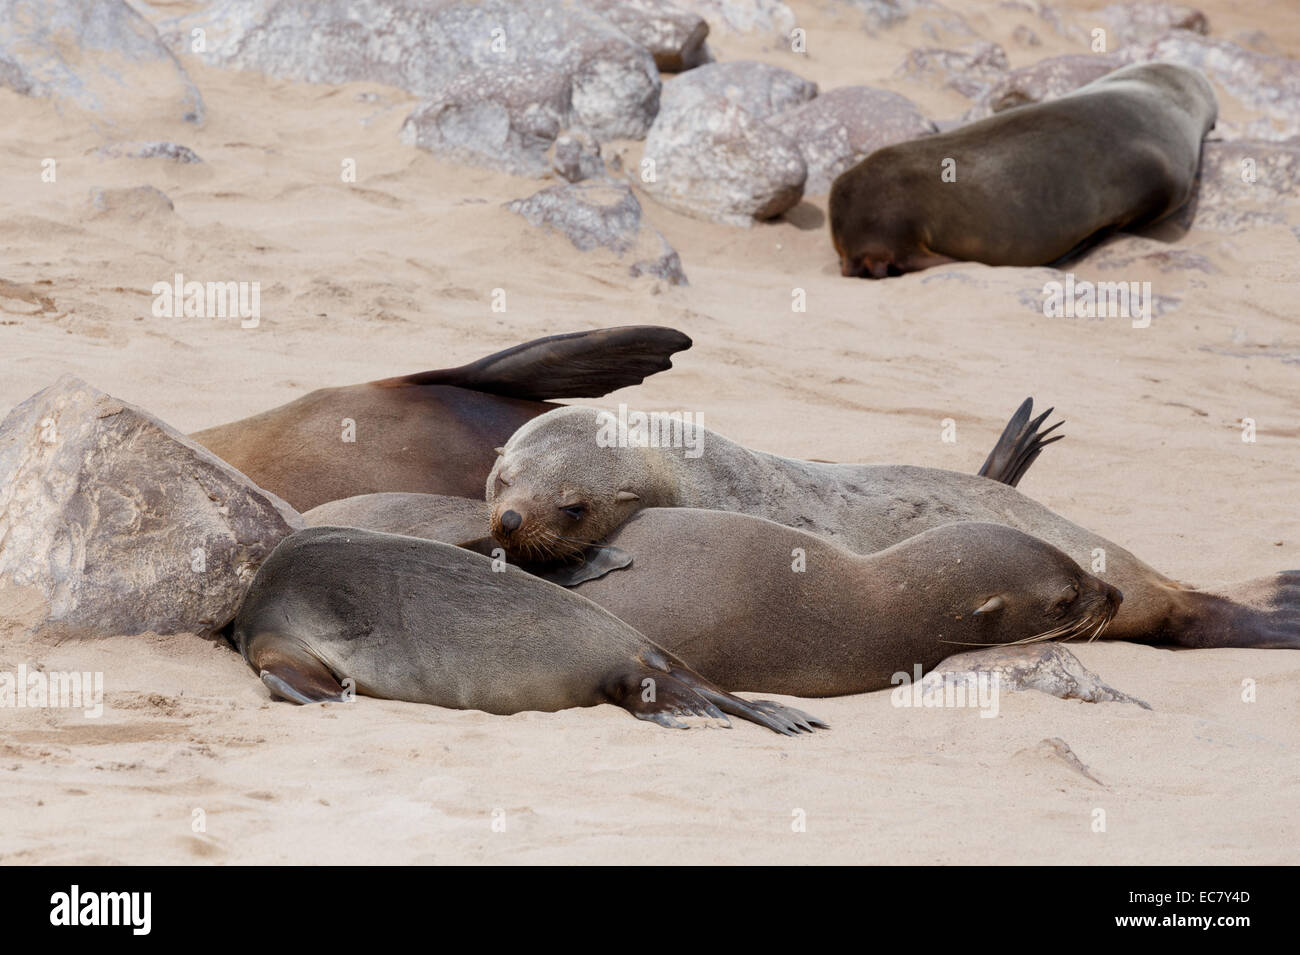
x: 627, y: 496
x: 991, y: 605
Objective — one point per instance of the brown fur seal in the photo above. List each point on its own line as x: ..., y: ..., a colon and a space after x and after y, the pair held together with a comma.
x: 434, y: 431
x: 555, y: 489
x: 426, y: 622
x: 754, y: 605
x: 1032, y: 183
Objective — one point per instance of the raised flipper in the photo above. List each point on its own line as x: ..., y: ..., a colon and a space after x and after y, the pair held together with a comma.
x: 1020, y: 444
x: 664, y: 690
x: 291, y: 672
x: 574, y: 365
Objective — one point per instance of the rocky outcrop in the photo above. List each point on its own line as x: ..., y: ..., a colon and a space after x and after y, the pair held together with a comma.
x: 98, y: 55
x: 843, y: 126
x: 119, y: 524
x: 673, y: 35
x: 710, y: 154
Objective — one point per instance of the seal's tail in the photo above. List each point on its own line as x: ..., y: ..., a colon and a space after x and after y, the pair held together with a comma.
x: 573, y: 365
x: 1020, y: 444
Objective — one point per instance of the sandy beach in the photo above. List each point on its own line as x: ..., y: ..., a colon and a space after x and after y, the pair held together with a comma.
x: 396, y: 272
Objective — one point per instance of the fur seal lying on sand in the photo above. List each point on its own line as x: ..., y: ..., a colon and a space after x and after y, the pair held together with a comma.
x: 434, y: 431
x: 555, y: 490
x: 426, y: 622
x: 1034, y: 183
x: 754, y: 605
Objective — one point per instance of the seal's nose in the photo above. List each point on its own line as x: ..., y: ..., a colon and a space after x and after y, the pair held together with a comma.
x: 510, y: 521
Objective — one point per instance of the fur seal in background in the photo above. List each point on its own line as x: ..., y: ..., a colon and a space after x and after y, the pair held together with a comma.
x: 434, y: 431
x: 1034, y: 183
x: 754, y: 605
x: 555, y: 490
x: 426, y: 622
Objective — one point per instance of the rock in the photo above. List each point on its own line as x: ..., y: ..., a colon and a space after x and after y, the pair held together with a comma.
x: 501, y: 80
x: 1047, y: 667
x: 936, y: 20
x: 131, y: 203
x: 1057, y: 750
x: 843, y: 126
x: 1138, y: 255
x: 604, y: 215
x: 120, y: 523
x: 674, y: 36
x: 1133, y: 23
x: 762, y: 90
x: 100, y: 55
x: 711, y: 155
x: 722, y: 163
x: 576, y: 156
x: 743, y: 16
x: 1045, y: 80
x: 1245, y: 184
x: 136, y: 150
x: 1268, y: 85
x: 971, y: 71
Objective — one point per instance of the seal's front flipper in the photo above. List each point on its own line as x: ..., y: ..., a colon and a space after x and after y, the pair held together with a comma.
x: 291, y: 672
x: 1020, y: 444
x: 596, y: 563
x: 777, y: 717
x: 575, y: 365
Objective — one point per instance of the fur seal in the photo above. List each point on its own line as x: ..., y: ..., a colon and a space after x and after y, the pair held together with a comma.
x: 1034, y: 183
x: 422, y: 621
x: 758, y: 606
x: 434, y: 431
x: 554, y: 490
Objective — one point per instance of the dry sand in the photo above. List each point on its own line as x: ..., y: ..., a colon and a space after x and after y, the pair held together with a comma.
x: 394, y: 274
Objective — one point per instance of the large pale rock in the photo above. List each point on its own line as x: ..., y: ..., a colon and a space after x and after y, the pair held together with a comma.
x: 1246, y: 184
x: 971, y: 71
x: 99, y: 55
x: 1131, y: 23
x: 1047, y: 667
x: 711, y: 155
x: 843, y: 126
x: 500, y: 78
x: 770, y: 17
x: 120, y: 523
x: 1048, y: 79
x: 604, y: 215
x: 673, y: 35
x: 1267, y: 85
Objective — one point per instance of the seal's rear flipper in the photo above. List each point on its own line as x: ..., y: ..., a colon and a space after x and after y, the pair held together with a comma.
x: 1263, y: 613
x: 290, y: 672
x: 574, y: 365
x: 667, y: 692
x: 1020, y: 444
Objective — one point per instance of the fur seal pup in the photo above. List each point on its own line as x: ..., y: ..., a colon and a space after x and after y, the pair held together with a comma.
x: 555, y: 489
x: 758, y: 606
x: 426, y: 622
x: 434, y: 431
x: 1032, y: 183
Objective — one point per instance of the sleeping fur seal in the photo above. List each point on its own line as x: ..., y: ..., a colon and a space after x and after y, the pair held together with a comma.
x: 758, y: 606
x: 1032, y: 183
x: 554, y: 490
x: 434, y: 431
x: 417, y: 620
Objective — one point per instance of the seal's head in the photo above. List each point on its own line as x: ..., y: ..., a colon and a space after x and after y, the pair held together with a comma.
x: 556, y: 488
x: 1012, y: 583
